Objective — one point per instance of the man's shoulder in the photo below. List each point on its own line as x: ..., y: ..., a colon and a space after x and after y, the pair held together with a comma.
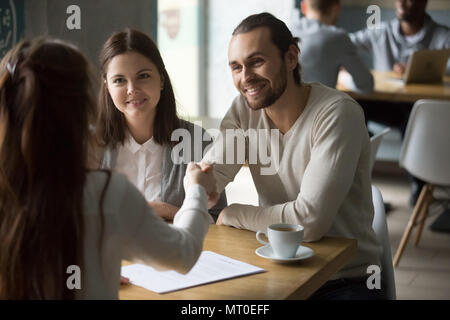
x: 240, y: 115
x: 332, y: 101
x: 440, y: 30
x: 314, y: 28
x: 436, y: 25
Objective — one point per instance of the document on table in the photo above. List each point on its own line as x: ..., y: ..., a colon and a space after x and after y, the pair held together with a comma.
x: 210, y: 267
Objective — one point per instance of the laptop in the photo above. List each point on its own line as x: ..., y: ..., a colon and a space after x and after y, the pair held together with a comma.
x: 426, y: 66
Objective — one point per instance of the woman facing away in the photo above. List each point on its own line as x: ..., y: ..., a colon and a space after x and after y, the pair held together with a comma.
x: 137, y: 120
x: 54, y: 211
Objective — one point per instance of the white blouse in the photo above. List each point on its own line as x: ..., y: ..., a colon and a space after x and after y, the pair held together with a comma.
x: 142, y: 164
x: 133, y: 232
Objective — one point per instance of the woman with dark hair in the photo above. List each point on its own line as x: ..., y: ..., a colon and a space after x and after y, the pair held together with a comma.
x: 137, y: 120
x: 55, y: 213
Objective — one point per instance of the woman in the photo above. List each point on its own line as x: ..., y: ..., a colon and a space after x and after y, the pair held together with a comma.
x: 54, y: 212
x: 137, y: 120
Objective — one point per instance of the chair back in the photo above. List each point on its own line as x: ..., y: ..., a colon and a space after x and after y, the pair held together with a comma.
x: 375, y: 142
x: 379, y: 225
x: 425, y: 150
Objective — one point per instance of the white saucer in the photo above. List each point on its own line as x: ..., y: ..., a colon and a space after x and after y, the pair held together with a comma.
x: 302, y: 253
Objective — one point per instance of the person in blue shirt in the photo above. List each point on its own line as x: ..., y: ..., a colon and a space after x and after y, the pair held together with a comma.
x: 391, y: 43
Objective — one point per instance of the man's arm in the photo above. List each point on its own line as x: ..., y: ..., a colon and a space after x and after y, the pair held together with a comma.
x: 338, y: 138
x: 226, y: 169
x: 362, y: 39
x: 362, y: 79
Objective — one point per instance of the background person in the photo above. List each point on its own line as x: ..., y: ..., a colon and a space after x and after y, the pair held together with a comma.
x: 137, y: 119
x: 54, y: 211
x: 325, y: 49
x: 391, y: 44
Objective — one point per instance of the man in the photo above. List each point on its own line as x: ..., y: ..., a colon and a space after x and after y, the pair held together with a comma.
x: 325, y: 48
x: 322, y: 181
x: 391, y: 43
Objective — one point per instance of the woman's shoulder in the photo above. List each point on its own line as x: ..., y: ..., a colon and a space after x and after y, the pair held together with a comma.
x: 113, y: 185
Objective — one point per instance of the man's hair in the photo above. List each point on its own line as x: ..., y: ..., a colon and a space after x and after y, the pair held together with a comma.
x: 322, y: 6
x: 279, y: 34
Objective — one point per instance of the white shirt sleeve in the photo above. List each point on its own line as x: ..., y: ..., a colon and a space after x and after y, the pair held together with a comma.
x: 150, y: 239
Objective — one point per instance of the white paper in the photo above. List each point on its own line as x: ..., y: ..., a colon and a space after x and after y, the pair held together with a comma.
x: 210, y: 267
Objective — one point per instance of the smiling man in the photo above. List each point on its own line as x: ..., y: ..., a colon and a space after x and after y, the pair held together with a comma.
x: 322, y: 181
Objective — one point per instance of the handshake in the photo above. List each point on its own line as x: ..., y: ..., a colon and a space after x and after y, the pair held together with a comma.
x: 202, y: 174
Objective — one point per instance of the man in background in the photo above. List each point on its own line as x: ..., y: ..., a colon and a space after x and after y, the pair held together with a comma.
x: 391, y: 43
x: 325, y: 49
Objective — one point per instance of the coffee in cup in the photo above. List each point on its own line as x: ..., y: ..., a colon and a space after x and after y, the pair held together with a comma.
x: 283, y: 238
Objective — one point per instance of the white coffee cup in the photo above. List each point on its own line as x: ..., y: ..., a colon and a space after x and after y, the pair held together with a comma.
x: 283, y: 238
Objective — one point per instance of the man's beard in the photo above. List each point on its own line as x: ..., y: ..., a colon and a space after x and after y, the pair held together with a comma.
x: 273, y: 95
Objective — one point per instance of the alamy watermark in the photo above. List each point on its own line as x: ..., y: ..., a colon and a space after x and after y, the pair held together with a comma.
x: 374, y: 280
x: 74, y: 280
x: 230, y: 146
x: 73, y: 22
x: 373, y: 21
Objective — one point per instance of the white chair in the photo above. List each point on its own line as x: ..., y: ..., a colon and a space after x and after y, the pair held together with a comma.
x: 379, y: 225
x: 425, y: 154
x: 375, y: 142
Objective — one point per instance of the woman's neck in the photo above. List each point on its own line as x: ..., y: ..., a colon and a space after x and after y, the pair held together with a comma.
x: 141, y: 130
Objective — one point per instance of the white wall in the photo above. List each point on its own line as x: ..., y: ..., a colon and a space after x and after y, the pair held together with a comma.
x: 223, y: 17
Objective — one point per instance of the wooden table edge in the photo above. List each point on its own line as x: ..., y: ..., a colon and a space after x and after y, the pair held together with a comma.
x: 321, y: 277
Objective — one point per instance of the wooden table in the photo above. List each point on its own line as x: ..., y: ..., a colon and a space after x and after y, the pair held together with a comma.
x: 388, y: 87
x: 280, y: 281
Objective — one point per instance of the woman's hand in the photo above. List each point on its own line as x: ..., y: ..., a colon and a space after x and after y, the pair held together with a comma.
x: 124, y: 280
x: 164, y: 210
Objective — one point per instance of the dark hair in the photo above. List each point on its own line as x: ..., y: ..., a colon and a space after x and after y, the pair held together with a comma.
x: 111, y: 125
x: 46, y: 107
x: 323, y: 6
x: 279, y: 34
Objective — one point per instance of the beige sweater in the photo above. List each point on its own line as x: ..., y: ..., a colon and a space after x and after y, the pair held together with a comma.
x: 323, y: 180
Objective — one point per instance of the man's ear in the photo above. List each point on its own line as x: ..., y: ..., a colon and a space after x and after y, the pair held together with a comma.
x: 291, y: 56
x: 303, y: 7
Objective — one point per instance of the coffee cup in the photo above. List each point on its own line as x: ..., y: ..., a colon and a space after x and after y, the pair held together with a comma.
x: 283, y: 238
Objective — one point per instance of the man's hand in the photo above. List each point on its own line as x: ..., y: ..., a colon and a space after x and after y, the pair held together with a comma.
x: 399, y: 68
x: 220, y: 217
x: 213, y: 197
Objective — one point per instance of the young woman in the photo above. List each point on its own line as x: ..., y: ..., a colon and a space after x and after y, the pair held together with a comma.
x: 54, y: 212
x: 137, y: 119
